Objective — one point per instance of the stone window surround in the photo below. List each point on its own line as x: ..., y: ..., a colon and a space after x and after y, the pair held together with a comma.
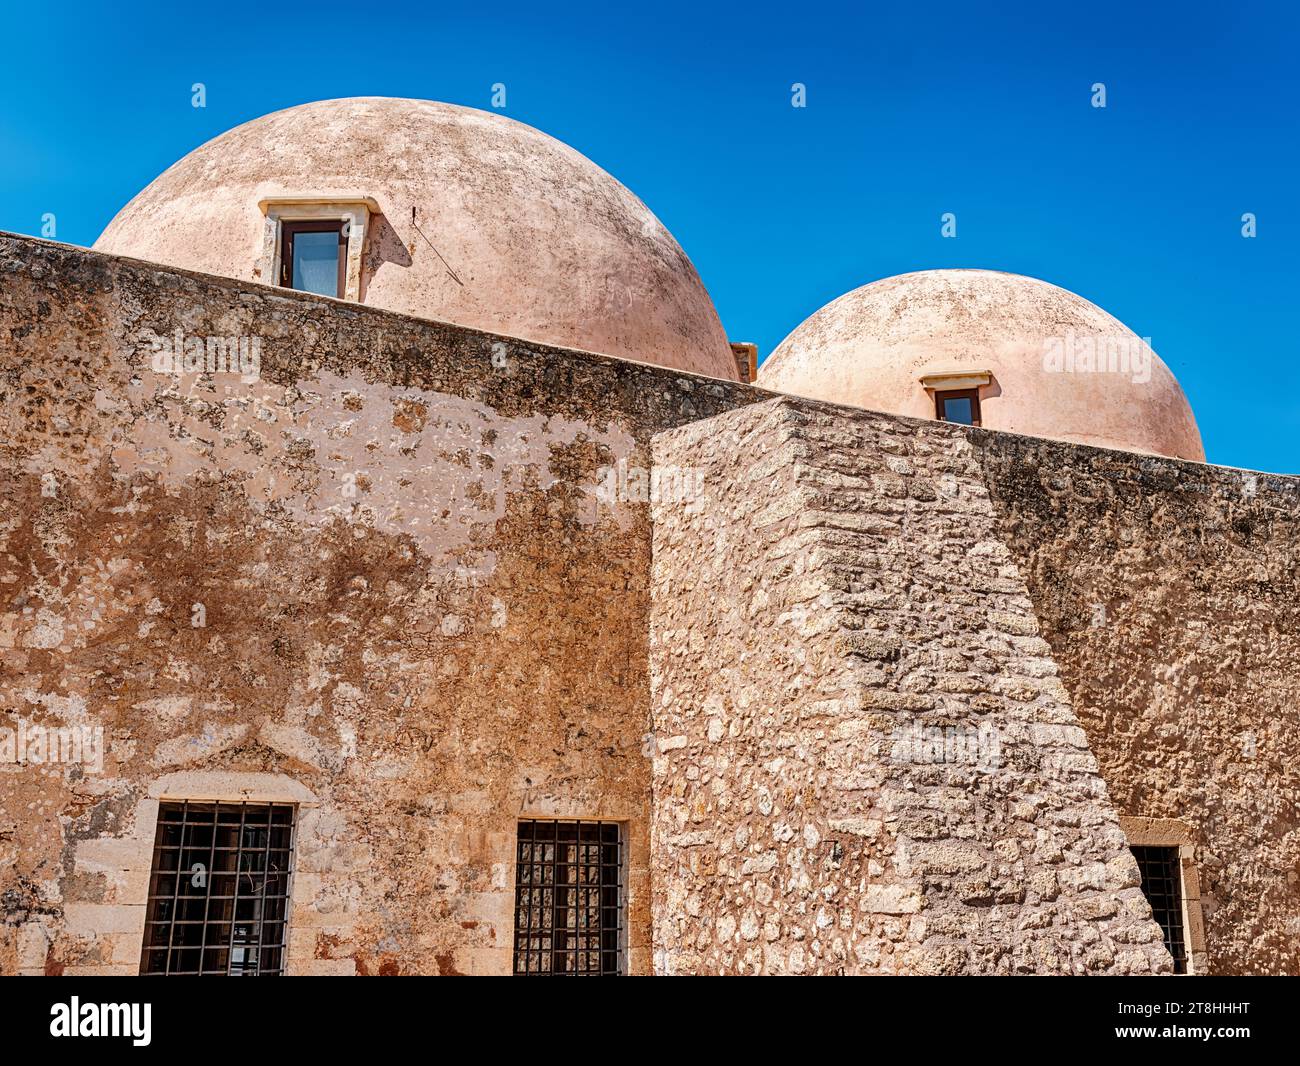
x: 1175, y: 833
x: 354, y: 210
x: 206, y: 788
x: 550, y: 809
x: 955, y: 380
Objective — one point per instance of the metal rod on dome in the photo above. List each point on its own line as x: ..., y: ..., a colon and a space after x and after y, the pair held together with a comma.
x: 454, y: 276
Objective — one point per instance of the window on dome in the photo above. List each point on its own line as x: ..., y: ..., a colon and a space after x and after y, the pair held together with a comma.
x: 314, y: 256
x: 314, y: 243
x: 569, y: 899
x: 958, y: 405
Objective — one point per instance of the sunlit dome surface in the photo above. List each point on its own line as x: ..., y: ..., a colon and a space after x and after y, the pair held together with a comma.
x: 1057, y: 366
x: 513, y: 231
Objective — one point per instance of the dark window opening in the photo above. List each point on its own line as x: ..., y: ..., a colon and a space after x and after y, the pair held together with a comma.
x: 958, y: 405
x: 219, y: 891
x: 314, y: 257
x: 1162, y: 884
x: 569, y: 899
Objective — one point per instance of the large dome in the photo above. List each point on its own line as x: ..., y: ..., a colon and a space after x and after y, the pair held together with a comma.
x: 1043, y: 361
x: 513, y: 232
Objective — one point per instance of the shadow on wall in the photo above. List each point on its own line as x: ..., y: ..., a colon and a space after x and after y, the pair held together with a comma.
x: 383, y: 246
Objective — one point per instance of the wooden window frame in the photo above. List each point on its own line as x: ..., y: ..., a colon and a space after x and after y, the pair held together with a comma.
x: 353, y: 209
x: 942, y: 395
x: 289, y: 229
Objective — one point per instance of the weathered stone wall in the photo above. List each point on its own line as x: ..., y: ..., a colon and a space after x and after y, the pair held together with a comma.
x: 744, y: 650
x: 376, y: 580
x: 866, y: 760
x: 379, y: 580
x: 1169, y: 595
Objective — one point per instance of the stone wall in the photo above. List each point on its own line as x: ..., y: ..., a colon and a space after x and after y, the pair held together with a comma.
x: 377, y: 579
x: 744, y: 650
x: 866, y: 760
x: 1169, y: 594
x: 387, y: 579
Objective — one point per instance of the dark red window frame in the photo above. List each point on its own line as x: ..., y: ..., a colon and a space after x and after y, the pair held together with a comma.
x: 289, y: 230
x: 942, y: 395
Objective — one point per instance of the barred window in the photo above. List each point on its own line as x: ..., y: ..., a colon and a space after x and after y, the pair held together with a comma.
x: 1162, y: 884
x: 569, y: 899
x: 219, y: 891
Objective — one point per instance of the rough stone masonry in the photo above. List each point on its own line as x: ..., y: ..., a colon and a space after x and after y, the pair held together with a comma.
x: 867, y: 760
x: 875, y: 699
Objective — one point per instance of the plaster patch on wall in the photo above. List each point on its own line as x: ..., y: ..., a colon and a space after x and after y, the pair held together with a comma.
x: 405, y: 461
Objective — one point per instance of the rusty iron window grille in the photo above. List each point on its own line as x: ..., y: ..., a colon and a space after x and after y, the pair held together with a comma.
x: 219, y: 891
x: 569, y: 899
x: 1162, y: 883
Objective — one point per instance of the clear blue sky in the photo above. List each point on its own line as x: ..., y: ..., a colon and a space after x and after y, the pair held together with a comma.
x: 913, y: 110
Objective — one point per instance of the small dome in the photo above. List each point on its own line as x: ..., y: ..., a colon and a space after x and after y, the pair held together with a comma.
x: 1042, y: 361
x: 513, y: 232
